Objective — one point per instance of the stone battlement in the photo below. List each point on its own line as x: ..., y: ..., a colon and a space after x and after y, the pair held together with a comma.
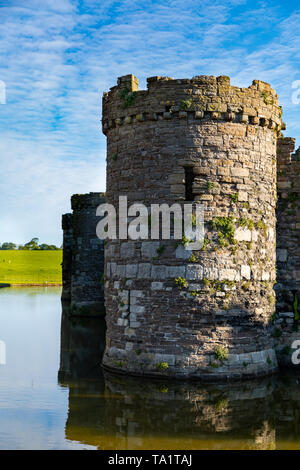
x: 200, y: 98
x: 82, y: 201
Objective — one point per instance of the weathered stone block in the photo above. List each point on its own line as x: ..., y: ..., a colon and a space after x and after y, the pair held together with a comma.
x: 228, y: 275
x: 137, y: 309
x: 175, y: 271
x: 168, y: 358
x: 183, y: 253
x: 240, y: 172
x: 121, y: 271
x: 246, y: 271
x: 144, y: 271
x: 282, y: 254
x: 127, y: 250
x: 194, y: 272
x: 243, y: 234
x: 159, y: 272
x: 149, y: 249
x: 131, y: 270
x: 157, y: 285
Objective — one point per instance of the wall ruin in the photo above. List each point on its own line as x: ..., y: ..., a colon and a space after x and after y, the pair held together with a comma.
x: 83, y: 256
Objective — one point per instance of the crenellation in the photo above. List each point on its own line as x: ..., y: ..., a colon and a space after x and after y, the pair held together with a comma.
x: 203, y: 97
x: 296, y: 155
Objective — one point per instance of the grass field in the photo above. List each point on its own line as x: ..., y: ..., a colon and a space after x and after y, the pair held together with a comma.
x: 30, y: 267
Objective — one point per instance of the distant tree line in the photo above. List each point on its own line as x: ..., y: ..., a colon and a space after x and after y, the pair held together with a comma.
x: 32, y: 245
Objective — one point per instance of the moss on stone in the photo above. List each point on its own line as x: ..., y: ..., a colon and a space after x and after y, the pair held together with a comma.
x: 162, y: 366
x: 181, y: 282
x: 246, y: 285
x: 195, y: 293
x: 262, y: 226
x: 226, y: 230
x: 206, y: 242
x: 221, y: 404
x: 234, y: 197
x: 128, y: 97
x: 245, y: 222
x: 193, y: 258
x: 186, y: 104
x: 221, y: 354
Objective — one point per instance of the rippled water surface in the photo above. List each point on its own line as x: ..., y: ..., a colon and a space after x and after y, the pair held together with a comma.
x: 53, y: 394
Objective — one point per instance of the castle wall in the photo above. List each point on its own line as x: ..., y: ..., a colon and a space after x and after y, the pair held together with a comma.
x: 83, y: 271
x: 288, y: 250
x: 170, y: 311
x: 67, y: 226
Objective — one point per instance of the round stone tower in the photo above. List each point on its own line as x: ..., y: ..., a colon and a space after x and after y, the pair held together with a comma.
x: 173, y: 311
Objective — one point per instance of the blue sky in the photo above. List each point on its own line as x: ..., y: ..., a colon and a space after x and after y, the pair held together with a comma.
x: 59, y: 56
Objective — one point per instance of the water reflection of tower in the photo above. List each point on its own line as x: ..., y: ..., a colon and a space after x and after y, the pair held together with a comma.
x: 117, y: 412
x: 81, y: 350
x: 82, y: 346
x: 190, y: 415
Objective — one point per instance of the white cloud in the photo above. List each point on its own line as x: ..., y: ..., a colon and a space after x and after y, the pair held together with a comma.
x: 38, y: 182
x: 58, y: 58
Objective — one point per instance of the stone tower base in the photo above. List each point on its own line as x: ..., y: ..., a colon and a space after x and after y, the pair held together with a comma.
x: 236, y: 367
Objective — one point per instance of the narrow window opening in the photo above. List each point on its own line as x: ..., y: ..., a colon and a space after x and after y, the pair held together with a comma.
x: 189, y: 180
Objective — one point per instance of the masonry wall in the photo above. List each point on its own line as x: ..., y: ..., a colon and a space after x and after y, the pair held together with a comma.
x: 67, y: 226
x: 83, y: 260
x: 170, y: 311
x: 286, y: 328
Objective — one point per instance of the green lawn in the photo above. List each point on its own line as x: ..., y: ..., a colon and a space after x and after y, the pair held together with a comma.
x: 30, y: 267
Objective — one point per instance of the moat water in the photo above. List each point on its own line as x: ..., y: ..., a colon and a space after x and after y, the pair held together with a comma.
x: 53, y: 394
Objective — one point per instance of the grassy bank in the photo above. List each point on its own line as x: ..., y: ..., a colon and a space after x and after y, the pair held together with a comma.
x: 30, y: 267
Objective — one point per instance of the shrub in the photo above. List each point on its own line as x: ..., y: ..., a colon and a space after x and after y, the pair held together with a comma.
x: 162, y: 366
x: 234, y: 197
x: 181, y: 282
x: 186, y: 104
x: 226, y: 230
x: 128, y: 97
x: 221, y: 353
